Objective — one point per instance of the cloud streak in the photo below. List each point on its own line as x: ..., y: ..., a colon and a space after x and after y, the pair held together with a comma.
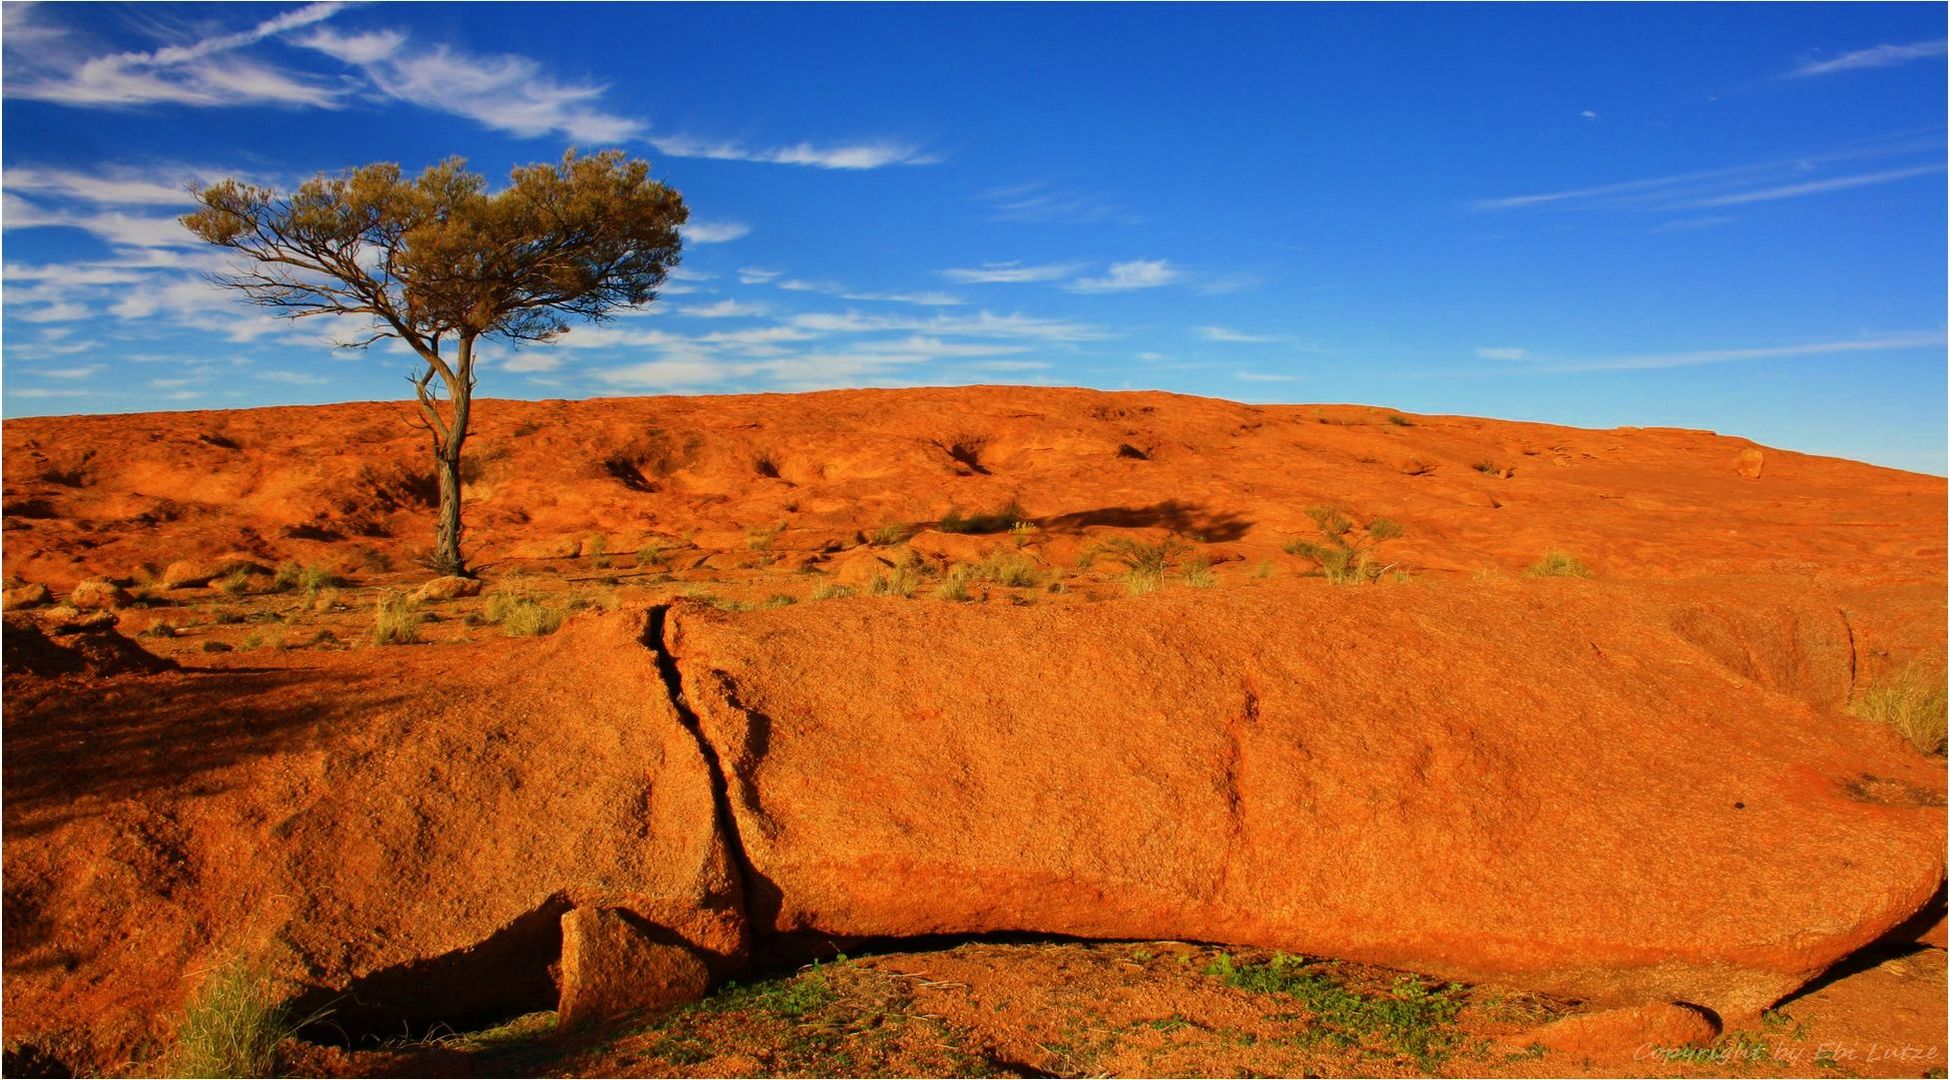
x: 1879, y: 56
x: 1127, y: 276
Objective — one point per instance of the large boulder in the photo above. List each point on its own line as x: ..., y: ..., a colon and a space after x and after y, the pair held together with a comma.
x: 1594, y: 806
x: 616, y: 963
x: 97, y: 594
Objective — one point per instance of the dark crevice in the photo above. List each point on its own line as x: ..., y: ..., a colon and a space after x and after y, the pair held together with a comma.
x: 758, y: 895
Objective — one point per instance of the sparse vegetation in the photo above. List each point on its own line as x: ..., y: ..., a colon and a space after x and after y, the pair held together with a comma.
x: 598, y: 551
x: 306, y: 578
x: 906, y: 575
x: 236, y: 584
x: 889, y: 535
x: 396, y: 621
x: 832, y: 591
x: 761, y: 539
x: 1198, y: 573
x: 1340, y: 555
x: 1001, y: 519
x: 1399, y: 420
x: 1139, y: 582
x: 232, y: 1026
x: 650, y: 554
x: 521, y: 615
x: 1010, y: 569
x: 1410, y: 1018
x: 778, y: 600
x: 1913, y: 701
x: 954, y: 586
x: 1558, y: 564
x: 1142, y: 558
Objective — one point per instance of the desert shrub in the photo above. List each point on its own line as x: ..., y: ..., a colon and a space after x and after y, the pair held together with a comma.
x: 1022, y: 532
x: 521, y: 615
x: 761, y: 539
x: 159, y: 630
x: 650, y: 554
x: 1142, y: 558
x: 907, y: 575
x: 954, y: 586
x: 232, y: 1026
x: 832, y: 591
x: 1264, y: 569
x: 235, y: 584
x: 598, y: 551
x: 779, y: 600
x: 1558, y: 564
x: 252, y: 640
x: 1341, y: 555
x: 396, y: 621
x: 1198, y: 573
x: 889, y: 535
x: 1399, y: 420
x: 1010, y: 569
x: 1001, y: 519
x: 306, y: 578
x: 1913, y: 701
x: 1139, y: 582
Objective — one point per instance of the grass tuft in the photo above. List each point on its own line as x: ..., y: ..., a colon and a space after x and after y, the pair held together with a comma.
x: 232, y: 1026
x: 1913, y: 701
x: 1558, y: 564
x: 521, y: 615
x: 998, y: 520
x: 396, y: 621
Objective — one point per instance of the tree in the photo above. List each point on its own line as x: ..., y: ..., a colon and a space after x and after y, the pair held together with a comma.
x: 440, y: 263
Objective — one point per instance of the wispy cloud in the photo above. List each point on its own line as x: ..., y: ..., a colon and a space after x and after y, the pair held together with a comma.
x: 1501, y: 353
x: 1236, y: 337
x: 714, y: 232
x: 1757, y: 182
x: 204, y: 72
x: 844, y: 156
x: 1126, y: 276
x: 723, y: 309
x: 1040, y: 202
x: 1002, y: 273
x: 118, y: 187
x: 1921, y: 339
x: 923, y: 298
x: 1263, y: 376
x: 756, y: 275
x: 1876, y: 57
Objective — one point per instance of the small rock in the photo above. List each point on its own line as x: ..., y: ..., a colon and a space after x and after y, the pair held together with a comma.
x: 29, y: 595
x: 97, y: 594
x: 615, y: 963
x: 192, y: 573
x: 1614, y: 1033
x: 1748, y: 464
x: 447, y: 588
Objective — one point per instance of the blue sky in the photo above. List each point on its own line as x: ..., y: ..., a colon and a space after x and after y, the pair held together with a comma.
x: 1729, y: 217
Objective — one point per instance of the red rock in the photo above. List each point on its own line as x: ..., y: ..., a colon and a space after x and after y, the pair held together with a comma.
x: 96, y: 594
x: 32, y: 594
x: 451, y: 587
x: 1635, y: 1033
x: 1331, y: 772
x: 616, y: 963
x: 1748, y: 463
x: 194, y: 573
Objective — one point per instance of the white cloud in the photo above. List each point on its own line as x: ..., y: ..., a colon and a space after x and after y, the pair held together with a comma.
x: 1040, y: 202
x: 990, y: 273
x: 1221, y: 333
x: 122, y: 187
x: 1125, y: 276
x: 44, y: 392
x: 506, y: 93
x: 85, y: 371
x: 1501, y: 353
x: 1756, y: 182
x: 293, y: 378
x: 755, y: 275
x: 723, y: 309
x: 113, y: 226
x: 355, y: 49
x: 701, y: 232
x: 1922, y: 339
x: 851, y: 156
x: 1879, y: 56
x: 1589, y: 114
x: 201, y: 73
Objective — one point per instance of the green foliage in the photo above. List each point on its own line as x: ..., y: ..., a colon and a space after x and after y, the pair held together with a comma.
x: 789, y: 998
x: 396, y: 620
x: 232, y: 1026
x: 1558, y: 564
x: 1411, y: 1018
x: 1001, y: 519
x: 1913, y: 701
x: 1341, y: 555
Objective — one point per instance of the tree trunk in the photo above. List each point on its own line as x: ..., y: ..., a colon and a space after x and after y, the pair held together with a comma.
x: 446, y: 538
x: 447, y: 558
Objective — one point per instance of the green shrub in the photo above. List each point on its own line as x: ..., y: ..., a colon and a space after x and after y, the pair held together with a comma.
x: 1912, y: 701
x: 1001, y: 519
x: 396, y: 621
x: 1558, y: 564
x: 1410, y: 1018
x: 232, y: 1026
x: 1339, y: 555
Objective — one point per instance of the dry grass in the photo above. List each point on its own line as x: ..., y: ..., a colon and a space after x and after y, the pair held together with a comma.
x: 1913, y: 701
x: 1558, y: 564
x: 396, y: 621
x: 232, y: 1026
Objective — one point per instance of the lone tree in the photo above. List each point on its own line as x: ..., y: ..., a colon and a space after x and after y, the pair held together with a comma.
x: 440, y: 263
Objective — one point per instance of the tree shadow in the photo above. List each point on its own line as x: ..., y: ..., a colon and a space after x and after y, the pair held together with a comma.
x: 1186, y: 519
x: 65, y: 743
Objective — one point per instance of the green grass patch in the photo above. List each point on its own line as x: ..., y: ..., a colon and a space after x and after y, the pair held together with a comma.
x: 232, y: 1025
x: 1410, y: 1018
x: 1001, y: 519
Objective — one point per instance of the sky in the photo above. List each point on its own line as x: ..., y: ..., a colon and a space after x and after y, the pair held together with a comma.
x: 1711, y: 216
